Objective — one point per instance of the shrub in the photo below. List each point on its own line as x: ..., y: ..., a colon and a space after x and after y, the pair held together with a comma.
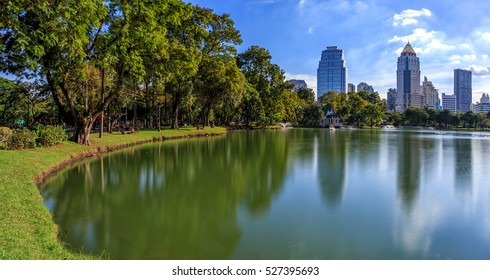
x: 50, y: 135
x: 5, y: 135
x: 22, y: 138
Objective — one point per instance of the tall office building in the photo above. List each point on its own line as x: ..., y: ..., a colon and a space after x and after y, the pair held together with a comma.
x: 449, y: 102
x: 407, y: 79
x: 462, y: 89
x: 391, y: 102
x: 332, y: 72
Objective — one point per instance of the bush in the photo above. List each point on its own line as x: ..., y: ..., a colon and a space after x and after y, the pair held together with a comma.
x: 5, y: 135
x: 21, y: 139
x: 50, y: 135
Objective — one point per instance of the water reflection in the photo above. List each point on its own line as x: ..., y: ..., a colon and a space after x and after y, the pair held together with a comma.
x: 173, y: 200
x: 332, y: 162
x: 288, y: 194
x: 408, y: 168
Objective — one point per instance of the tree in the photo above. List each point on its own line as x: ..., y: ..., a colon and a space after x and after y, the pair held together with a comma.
x: 218, y: 77
x: 67, y: 43
x: 267, y: 79
x: 307, y: 94
x: 416, y: 116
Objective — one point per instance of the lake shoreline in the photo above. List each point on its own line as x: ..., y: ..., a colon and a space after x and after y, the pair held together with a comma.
x: 28, y: 230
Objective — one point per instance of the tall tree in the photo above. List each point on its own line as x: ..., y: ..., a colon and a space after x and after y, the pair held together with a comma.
x: 65, y: 43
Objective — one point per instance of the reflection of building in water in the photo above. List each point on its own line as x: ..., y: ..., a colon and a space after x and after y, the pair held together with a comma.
x: 332, y: 165
x: 462, y: 169
x: 408, y: 168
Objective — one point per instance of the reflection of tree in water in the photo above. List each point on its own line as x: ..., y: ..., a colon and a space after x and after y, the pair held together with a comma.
x: 408, y: 168
x: 332, y: 165
x: 175, y: 200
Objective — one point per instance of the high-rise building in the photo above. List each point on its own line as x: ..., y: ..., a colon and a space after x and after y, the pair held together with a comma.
x: 332, y: 72
x: 431, y: 95
x: 391, y: 102
x: 298, y: 84
x: 449, y: 102
x: 365, y: 87
x: 462, y: 89
x: 351, y: 87
x: 407, y: 79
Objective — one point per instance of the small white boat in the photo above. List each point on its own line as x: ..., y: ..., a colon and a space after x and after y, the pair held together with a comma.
x: 389, y: 126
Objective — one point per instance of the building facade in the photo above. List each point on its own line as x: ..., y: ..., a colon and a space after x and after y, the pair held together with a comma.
x: 391, y: 99
x: 484, y: 105
x: 351, y: 87
x: 365, y: 87
x: 332, y: 71
x: 462, y: 89
x: 431, y: 95
x: 407, y: 79
x: 298, y: 84
x: 449, y: 102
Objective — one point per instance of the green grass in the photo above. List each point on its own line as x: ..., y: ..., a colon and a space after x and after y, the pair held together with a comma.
x: 27, y: 229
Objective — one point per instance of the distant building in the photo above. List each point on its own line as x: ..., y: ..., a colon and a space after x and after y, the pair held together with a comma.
x: 431, y: 95
x: 298, y: 84
x: 484, y: 105
x: 449, y: 102
x: 462, y: 89
x: 332, y: 72
x: 417, y: 100
x: 365, y: 87
x: 351, y: 88
x: 391, y: 102
x: 407, y: 79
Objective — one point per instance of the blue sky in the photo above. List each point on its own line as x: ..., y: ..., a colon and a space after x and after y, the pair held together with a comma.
x: 446, y: 35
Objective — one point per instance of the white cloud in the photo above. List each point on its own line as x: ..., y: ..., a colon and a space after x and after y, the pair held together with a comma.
x: 484, y: 56
x: 309, y: 79
x: 485, y: 36
x: 479, y: 70
x: 409, y: 17
x: 311, y: 30
x: 302, y: 2
x: 418, y: 34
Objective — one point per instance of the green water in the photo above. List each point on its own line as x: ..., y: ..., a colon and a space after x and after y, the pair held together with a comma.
x: 287, y: 194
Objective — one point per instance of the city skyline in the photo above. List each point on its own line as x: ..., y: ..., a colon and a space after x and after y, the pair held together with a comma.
x: 372, y: 34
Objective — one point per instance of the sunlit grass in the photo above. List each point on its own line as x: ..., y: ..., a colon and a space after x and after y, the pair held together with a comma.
x: 27, y: 229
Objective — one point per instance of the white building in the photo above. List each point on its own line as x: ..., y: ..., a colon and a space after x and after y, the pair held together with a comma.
x: 483, y: 106
x: 449, y: 102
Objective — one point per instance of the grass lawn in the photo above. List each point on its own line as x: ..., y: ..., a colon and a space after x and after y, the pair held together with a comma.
x: 27, y: 229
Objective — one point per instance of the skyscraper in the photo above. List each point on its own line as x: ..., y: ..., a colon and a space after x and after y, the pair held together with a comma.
x: 391, y: 106
x: 407, y: 78
x: 462, y: 89
x: 332, y: 71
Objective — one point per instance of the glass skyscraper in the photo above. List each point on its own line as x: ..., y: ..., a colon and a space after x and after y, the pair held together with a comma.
x: 407, y: 79
x: 332, y: 72
x: 462, y: 89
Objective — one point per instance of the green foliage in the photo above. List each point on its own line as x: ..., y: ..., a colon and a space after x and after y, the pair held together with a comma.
x: 5, y: 135
x: 50, y: 135
x: 22, y: 138
x: 313, y: 114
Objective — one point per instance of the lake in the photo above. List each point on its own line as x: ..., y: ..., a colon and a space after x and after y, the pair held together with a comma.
x: 282, y: 194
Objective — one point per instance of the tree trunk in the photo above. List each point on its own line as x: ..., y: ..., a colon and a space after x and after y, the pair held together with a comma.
x: 175, y: 109
x: 81, y: 134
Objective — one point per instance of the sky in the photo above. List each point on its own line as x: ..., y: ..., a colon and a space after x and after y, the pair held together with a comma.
x: 445, y: 34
